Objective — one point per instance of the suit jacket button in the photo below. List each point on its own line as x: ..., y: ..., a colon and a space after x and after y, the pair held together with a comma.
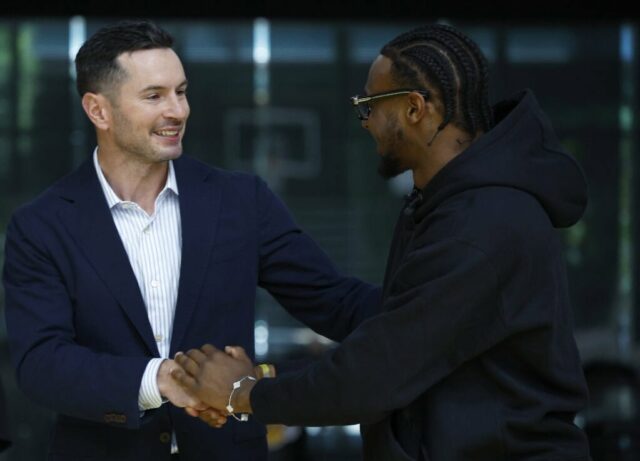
x: 165, y: 437
x: 111, y: 418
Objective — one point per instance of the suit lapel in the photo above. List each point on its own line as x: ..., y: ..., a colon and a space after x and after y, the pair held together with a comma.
x: 200, y: 202
x: 89, y: 221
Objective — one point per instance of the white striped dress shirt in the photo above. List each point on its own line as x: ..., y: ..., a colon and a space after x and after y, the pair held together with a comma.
x: 154, y: 247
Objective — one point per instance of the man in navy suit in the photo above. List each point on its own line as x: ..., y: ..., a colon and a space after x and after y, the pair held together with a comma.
x: 142, y: 252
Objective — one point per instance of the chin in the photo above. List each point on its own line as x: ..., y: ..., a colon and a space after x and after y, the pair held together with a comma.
x: 390, y: 166
x: 389, y: 174
x: 169, y: 154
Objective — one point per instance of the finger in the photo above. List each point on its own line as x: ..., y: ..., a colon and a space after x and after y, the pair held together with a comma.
x: 209, y: 349
x: 213, y: 417
x: 206, y: 417
x: 187, y: 363
x: 219, y: 423
x: 233, y: 351
x: 214, y: 414
x: 197, y: 356
x: 192, y: 412
x: 183, y: 379
x: 237, y: 352
x: 215, y: 424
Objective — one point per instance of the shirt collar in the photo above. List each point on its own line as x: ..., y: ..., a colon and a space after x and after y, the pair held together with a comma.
x: 112, y: 197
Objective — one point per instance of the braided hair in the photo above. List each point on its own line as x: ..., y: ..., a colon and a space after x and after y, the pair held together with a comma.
x: 450, y: 64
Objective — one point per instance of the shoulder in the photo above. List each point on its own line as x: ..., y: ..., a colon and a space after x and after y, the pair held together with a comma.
x: 239, y: 190
x: 189, y: 169
x: 58, y: 195
x: 510, y: 207
x: 493, y: 218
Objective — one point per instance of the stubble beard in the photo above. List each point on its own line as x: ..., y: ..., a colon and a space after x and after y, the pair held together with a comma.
x: 390, y: 165
x: 141, y: 147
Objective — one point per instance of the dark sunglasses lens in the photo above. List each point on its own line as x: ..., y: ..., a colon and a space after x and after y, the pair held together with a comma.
x: 363, y: 111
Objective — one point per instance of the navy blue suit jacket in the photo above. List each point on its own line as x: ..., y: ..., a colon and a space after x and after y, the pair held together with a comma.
x: 78, y: 329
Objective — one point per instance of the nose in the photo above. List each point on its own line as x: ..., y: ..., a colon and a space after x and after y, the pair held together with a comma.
x: 177, y: 108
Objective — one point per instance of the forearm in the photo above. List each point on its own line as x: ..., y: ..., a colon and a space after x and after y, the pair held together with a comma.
x: 77, y: 382
x: 428, y: 329
x: 300, y: 275
x: 54, y: 364
x: 303, y: 280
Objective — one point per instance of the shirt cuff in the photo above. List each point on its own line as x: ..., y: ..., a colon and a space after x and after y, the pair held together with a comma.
x: 149, y: 396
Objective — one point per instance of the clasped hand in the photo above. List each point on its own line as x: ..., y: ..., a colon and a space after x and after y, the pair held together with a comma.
x: 207, y: 374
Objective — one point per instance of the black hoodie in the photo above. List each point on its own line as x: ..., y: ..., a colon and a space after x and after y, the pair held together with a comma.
x: 473, y: 357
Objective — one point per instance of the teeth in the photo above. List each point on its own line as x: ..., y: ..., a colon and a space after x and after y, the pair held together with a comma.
x: 168, y: 132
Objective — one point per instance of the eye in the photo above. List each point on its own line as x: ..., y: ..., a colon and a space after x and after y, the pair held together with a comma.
x: 182, y: 92
x: 152, y: 96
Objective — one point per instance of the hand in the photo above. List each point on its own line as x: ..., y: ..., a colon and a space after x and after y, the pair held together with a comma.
x: 209, y: 373
x: 171, y: 390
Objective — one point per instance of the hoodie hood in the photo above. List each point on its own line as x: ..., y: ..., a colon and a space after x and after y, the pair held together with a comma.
x: 522, y: 152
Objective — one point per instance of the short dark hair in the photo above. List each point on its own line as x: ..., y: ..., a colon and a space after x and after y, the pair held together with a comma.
x: 453, y: 65
x: 97, y: 67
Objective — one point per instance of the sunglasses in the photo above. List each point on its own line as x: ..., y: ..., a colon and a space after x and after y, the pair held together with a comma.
x: 362, y: 105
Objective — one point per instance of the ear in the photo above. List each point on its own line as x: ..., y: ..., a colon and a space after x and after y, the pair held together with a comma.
x: 418, y: 107
x: 98, y: 109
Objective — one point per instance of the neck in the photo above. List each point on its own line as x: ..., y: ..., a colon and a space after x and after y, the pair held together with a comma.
x: 132, y: 180
x: 440, y: 150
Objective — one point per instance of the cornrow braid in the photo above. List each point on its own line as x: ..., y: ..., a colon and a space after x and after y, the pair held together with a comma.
x: 467, y: 89
x: 448, y: 62
x: 431, y: 67
x: 483, y: 90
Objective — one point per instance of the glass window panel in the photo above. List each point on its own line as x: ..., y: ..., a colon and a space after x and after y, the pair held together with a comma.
x: 302, y: 42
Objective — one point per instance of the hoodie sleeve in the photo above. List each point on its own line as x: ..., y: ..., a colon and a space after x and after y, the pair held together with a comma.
x: 445, y: 312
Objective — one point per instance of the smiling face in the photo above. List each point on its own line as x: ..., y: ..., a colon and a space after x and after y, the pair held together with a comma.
x: 149, y: 108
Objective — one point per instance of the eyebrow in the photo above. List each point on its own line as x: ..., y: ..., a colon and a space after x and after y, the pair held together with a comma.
x: 159, y: 87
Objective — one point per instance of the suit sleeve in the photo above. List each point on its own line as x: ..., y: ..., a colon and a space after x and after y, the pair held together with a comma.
x: 298, y: 273
x: 445, y: 311
x: 51, y: 368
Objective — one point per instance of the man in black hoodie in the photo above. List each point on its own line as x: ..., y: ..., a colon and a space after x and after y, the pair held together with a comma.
x: 473, y: 357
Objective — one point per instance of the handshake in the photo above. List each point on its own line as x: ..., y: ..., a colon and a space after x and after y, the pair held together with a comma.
x: 211, y: 384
